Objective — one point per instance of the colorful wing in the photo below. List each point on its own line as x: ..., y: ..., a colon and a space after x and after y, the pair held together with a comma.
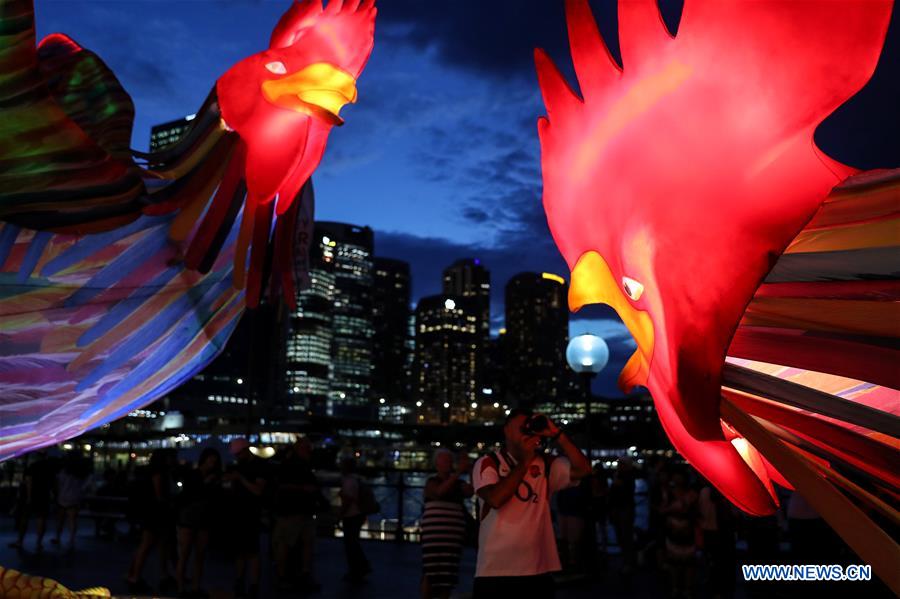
x: 98, y: 313
x: 66, y: 124
x: 94, y: 326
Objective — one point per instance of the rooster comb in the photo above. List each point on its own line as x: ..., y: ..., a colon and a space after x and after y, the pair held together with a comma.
x: 765, y: 46
x: 305, y: 13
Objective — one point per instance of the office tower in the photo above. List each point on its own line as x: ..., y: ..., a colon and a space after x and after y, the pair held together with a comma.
x: 469, y: 279
x: 447, y: 344
x: 537, y: 323
x: 166, y: 134
x: 329, y: 346
x: 390, y: 343
x: 348, y: 248
x: 308, y: 347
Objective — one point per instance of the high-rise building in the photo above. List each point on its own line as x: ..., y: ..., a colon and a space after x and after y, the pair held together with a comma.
x: 390, y: 343
x: 537, y: 323
x: 166, y: 134
x: 329, y: 346
x: 348, y: 248
x: 308, y: 348
x: 447, y: 343
x: 493, y: 381
x: 468, y: 278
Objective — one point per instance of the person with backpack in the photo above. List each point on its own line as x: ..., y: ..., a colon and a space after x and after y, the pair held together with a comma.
x: 357, y: 503
x: 516, y: 543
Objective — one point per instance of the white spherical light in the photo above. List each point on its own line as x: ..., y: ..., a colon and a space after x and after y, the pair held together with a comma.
x: 587, y: 353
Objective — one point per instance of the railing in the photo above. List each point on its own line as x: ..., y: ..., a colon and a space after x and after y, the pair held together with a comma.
x: 401, y: 507
x: 401, y: 503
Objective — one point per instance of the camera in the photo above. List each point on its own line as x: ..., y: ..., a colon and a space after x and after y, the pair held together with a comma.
x: 535, y: 424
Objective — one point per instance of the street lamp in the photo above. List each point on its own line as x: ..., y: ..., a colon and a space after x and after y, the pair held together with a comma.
x: 587, y: 355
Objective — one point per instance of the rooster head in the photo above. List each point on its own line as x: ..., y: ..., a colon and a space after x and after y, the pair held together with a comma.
x: 673, y: 182
x: 283, y: 102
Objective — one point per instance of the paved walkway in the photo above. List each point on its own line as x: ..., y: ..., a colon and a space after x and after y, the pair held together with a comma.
x: 396, y: 572
x: 396, y: 569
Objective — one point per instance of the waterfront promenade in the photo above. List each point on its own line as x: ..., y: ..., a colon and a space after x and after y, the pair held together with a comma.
x: 396, y: 569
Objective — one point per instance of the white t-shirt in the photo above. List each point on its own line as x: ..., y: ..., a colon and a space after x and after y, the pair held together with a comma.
x: 518, y: 538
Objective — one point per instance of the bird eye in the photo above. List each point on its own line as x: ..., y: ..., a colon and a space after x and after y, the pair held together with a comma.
x: 276, y: 67
x: 632, y: 288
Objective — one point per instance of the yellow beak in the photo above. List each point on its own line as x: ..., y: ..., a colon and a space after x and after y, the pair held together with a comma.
x: 319, y: 89
x: 593, y: 283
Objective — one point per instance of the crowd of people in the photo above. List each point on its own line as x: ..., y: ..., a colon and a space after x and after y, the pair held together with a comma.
x: 177, y: 508
x: 529, y: 511
x: 523, y: 535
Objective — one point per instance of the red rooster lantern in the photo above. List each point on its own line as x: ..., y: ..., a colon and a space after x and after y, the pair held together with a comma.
x: 283, y: 103
x: 675, y: 184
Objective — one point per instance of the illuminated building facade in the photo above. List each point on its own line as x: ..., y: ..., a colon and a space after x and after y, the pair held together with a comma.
x: 348, y: 250
x: 308, y: 347
x: 390, y: 344
x: 468, y: 278
x: 534, y: 345
x: 447, y: 352
x: 165, y: 134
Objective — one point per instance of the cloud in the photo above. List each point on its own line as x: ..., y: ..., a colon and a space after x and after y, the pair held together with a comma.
x: 498, y: 37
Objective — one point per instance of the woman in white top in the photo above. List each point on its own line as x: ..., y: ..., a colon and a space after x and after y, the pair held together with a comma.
x: 70, y: 483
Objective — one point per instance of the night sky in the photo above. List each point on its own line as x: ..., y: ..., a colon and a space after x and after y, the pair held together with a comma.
x: 440, y: 156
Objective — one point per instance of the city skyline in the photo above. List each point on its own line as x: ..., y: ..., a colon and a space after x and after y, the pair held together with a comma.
x: 328, y: 348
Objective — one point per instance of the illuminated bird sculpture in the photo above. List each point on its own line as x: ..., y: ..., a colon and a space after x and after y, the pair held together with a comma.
x: 757, y: 275
x: 122, y: 274
x: 16, y: 585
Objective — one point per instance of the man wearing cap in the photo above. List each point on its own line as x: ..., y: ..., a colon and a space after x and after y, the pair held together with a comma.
x: 516, y: 544
x: 247, y: 479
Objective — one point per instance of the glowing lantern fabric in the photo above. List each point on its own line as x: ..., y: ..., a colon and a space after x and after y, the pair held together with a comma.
x: 673, y: 184
x: 18, y: 585
x: 122, y: 274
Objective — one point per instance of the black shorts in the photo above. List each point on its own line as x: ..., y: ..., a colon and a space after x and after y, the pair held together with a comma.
x: 39, y: 507
x: 244, y: 537
x: 519, y: 587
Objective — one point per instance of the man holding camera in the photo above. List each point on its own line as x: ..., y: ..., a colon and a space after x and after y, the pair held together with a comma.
x: 516, y: 544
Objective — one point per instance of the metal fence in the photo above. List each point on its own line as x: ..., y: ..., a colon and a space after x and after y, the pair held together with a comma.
x: 402, y: 501
x: 400, y: 494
